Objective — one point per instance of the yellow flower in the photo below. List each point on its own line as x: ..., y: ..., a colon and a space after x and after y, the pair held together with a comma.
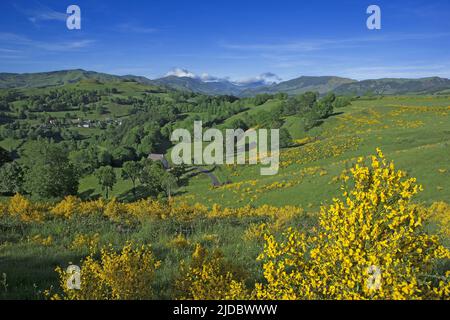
x: 123, y: 275
x: 373, y: 227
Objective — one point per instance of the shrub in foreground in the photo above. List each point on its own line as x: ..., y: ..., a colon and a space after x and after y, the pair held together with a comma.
x: 370, y: 244
x: 123, y: 275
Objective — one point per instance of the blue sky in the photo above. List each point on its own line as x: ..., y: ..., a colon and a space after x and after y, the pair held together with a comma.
x: 240, y: 40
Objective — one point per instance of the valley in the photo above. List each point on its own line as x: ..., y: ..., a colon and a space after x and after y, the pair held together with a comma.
x: 108, y: 131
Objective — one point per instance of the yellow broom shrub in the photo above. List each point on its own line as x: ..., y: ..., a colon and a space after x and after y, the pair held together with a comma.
x: 67, y: 207
x: 26, y: 211
x: 370, y: 244
x: 208, y: 277
x: 123, y: 275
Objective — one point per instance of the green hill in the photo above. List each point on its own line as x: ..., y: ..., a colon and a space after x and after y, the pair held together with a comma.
x: 102, y: 122
x: 199, y: 86
x: 302, y: 85
x: 321, y: 84
x: 59, y: 78
x: 395, y: 86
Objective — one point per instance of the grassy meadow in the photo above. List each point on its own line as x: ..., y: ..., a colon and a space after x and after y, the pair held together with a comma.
x: 413, y: 131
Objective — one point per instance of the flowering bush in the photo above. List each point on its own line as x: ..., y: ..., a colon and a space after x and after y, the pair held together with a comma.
x: 128, y: 274
x: 82, y: 241
x: 370, y: 244
x: 67, y: 207
x: 208, y: 277
x: 179, y: 242
x: 41, y: 240
x: 23, y: 209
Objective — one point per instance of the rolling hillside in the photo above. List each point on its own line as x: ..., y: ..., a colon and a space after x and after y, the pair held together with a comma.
x: 431, y: 85
x: 395, y: 86
x: 411, y: 130
x: 48, y: 79
x: 199, y: 86
x: 301, y: 85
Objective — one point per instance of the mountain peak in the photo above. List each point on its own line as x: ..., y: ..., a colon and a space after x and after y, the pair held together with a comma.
x: 247, y: 87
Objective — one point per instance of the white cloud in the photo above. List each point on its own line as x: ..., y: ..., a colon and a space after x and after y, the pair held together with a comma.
x: 64, y: 46
x: 209, y: 78
x: 16, y: 40
x: 307, y: 45
x: 262, y: 79
x: 42, y: 13
x: 181, y: 73
x: 2, y: 50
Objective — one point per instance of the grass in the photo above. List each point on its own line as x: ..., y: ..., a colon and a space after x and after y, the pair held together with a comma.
x: 252, y: 110
x: 414, y: 131
x: 89, y: 186
x: 18, y: 257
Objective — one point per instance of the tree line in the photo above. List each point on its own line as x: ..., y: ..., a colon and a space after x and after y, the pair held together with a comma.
x: 45, y: 171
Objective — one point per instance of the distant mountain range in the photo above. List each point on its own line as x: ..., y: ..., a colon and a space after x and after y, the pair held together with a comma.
x: 58, y: 78
x: 197, y: 85
x: 389, y: 86
x: 299, y: 85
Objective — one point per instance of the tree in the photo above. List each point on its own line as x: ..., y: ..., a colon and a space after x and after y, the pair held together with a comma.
x: 307, y: 101
x: 85, y: 159
x: 11, y: 178
x: 168, y: 182
x: 131, y: 170
x: 342, y: 101
x: 285, y: 138
x: 324, y: 107
x: 123, y: 154
x: 239, y: 124
x: 145, y: 147
x: 310, y: 120
x: 290, y: 106
x: 268, y: 119
x: 106, y: 178
x: 4, y: 156
x: 101, y: 110
x: 151, y: 176
x: 49, y: 174
x: 260, y: 99
x: 281, y: 96
x: 84, y: 108
x: 178, y: 171
x: 104, y: 157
